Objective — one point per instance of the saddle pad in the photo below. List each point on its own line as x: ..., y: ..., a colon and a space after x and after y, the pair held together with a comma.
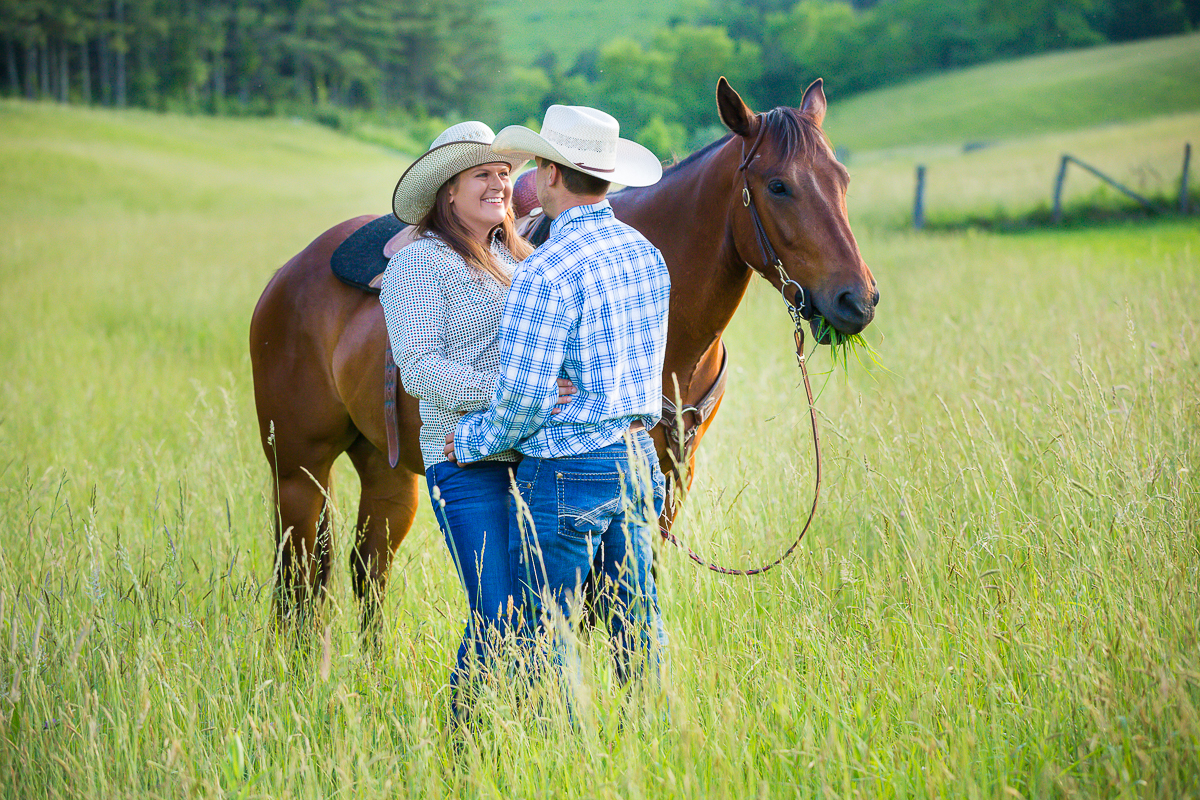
x: 360, y: 259
x: 541, y: 233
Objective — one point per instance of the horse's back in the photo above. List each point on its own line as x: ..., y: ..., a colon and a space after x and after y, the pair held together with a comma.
x: 317, y: 350
x: 302, y: 285
x: 294, y: 333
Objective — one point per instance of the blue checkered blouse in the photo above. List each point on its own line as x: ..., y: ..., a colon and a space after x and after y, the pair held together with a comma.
x: 590, y: 305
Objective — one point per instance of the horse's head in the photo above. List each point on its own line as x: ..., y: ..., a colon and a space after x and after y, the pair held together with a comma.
x: 789, y: 215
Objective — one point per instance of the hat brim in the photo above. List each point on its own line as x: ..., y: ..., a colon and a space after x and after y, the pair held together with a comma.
x: 418, y: 186
x: 635, y: 165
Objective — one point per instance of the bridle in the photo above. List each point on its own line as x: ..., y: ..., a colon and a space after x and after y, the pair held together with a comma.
x: 799, y: 315
x: 770, y: 258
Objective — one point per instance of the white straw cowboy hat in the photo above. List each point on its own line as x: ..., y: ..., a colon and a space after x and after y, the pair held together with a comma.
x: 587, y: 140
x: 459, y: 147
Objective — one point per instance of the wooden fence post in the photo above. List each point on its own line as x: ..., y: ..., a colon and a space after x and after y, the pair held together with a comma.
x: 919, y: 200
x: 1062, y: 175
x: 1183, y: 180
x: 1058, y: 187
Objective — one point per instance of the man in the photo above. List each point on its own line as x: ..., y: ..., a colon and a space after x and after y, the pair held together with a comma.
x: 589, y: 305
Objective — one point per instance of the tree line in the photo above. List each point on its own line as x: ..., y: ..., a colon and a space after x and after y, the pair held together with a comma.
x: 772, y: 49
x: 443, y: 57
x: 249, y: 56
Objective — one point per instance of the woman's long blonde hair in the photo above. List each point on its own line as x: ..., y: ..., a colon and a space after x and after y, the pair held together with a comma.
x: 442, y: 221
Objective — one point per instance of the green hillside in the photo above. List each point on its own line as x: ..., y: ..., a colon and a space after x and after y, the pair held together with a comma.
x: 1055, y: 92
x: 106, y: 217
x: 567, y: 29
x: 95, y: 162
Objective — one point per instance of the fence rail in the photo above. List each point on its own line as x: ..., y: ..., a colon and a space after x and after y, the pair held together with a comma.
x: 1060, y: 181
x: 1062, y: 177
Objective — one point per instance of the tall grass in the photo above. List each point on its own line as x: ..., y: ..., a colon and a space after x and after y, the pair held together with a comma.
x: 998, y: 595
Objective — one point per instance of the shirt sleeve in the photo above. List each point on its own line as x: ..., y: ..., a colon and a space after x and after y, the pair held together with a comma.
x: 533, y: 336
x: 414, y: 307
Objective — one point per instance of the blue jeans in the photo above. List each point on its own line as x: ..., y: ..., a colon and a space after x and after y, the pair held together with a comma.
x: 471, y: 504
x: 594, y: 514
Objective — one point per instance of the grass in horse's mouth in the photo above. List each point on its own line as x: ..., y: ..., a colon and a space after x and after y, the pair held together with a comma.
x: 842, y: 345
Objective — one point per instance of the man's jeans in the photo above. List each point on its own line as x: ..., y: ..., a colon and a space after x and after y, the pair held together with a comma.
x: 472, y: 508
x: 597, y: 511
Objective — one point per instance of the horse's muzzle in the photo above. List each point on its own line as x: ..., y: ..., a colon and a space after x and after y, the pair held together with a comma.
x: 852, y: 309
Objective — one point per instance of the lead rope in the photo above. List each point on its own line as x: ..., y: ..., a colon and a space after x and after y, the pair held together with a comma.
x: 802, y: 363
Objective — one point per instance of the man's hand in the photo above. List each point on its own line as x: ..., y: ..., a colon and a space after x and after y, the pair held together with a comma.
x: 565, y: 390
x: 448, y: 450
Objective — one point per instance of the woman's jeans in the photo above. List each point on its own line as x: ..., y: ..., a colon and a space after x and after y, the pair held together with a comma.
x: 594, y: 514
x: 471, y: 504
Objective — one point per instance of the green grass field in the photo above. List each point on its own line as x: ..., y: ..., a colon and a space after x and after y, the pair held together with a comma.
x: 991, y: 136
x: 1015, y: 176
x: 998, y: 598
x: 1042, y: 94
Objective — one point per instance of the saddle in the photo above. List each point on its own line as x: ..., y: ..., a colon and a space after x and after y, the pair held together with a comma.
x: 361, y: 260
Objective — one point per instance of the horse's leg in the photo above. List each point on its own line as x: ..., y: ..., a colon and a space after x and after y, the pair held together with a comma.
x: 303, y: 536
x: 385, y: 513
x: 303, y: 431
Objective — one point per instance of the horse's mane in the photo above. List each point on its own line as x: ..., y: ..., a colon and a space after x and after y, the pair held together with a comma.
x: 703, y: 151
x: 794, y: 133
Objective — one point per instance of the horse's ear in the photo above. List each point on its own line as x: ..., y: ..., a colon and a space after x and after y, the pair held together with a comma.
x: 736, y: 115
x: 813, y: 103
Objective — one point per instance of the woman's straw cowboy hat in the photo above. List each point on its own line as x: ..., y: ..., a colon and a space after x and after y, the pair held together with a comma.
x: 586, y: 139
x: 459, y: 147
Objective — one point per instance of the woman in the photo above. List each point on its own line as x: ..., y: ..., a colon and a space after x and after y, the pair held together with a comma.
x: 442, y: 296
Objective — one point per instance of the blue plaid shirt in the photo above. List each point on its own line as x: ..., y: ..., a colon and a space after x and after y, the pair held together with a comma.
x: 590, y: 305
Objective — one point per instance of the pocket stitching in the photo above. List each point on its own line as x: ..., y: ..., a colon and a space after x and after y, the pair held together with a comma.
x: 591, y: 515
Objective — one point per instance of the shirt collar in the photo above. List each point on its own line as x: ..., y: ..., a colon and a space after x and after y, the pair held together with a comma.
x: 494, y: 239
x: 580, y: 213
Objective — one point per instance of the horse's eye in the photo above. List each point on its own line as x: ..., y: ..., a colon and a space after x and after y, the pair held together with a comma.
x: 777, y: 187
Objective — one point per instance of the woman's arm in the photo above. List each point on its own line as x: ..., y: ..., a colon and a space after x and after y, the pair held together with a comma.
x: 414, y: 306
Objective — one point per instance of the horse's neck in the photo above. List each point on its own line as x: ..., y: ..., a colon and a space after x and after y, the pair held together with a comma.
x: 686, y: 216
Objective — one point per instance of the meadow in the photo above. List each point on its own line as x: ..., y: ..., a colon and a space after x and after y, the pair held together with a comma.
x: 998, y: 597
x: 1048, y: 93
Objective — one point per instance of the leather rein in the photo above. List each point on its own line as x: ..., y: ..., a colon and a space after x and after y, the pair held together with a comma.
x: 799, y: 313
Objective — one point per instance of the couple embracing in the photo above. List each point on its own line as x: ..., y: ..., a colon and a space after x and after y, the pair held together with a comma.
x: 540, y: 367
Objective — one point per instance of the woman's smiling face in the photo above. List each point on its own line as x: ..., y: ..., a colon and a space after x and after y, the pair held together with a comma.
x: 481, y: 196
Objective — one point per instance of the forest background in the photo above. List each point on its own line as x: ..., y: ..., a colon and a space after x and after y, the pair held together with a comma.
x: 394, y: 70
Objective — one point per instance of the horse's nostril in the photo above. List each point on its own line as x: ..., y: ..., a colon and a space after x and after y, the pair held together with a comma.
x: 850, y: 304
x: 875, y: 297
x: 852, y: 310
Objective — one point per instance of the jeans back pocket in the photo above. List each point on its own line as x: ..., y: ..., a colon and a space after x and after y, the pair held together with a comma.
x: 587, y: 502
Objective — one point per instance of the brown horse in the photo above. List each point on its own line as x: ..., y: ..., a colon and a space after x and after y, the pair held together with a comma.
x: 317, y: 345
